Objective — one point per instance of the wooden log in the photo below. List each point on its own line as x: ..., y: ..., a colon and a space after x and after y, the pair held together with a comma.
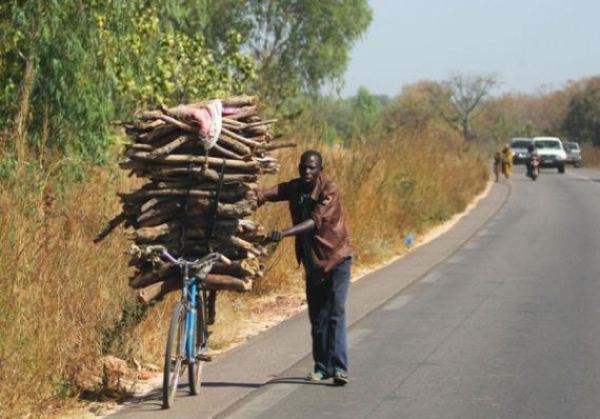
x: 234, y: 145
x: 167, y: 207
x: 152, y: 276
x: 260, y: 123
x: 173, y: 239
x: 240, y: 100
x: 240, y: 209
x: 156, y: 292
x: 240, y: 138
x: 258, y: 236
x: 151, y: 203
x: 138, y: 126
x: 226, y: 282
x: 139, y: 147
x: 244, y: 268
x: 176, y: 159
x: 156, y: 219
x: 150, y: 234
x: 233, y: 101
x: 148, y: 115
x: 143, y: 253
x: 275, y: 146
x: 223, y: 152
x: 247, y: 246
x: 179, y: 124
x: 156, y: 134
x: 148, y: 125
x: 243, y: 112
x: 226, y: 195
x: 200, y: 173
x: 159, y: 215
x: 219, y: 237
x: 149, y: 252
x: 169, y: 147
x: 112, y: 224
x: 233, y: 124
x: 259, y: 130
x: 224, y: 228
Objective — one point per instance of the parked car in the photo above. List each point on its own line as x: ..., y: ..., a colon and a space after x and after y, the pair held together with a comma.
x: 551, y: 152
x: 573, y: 153
x: 519, y: 149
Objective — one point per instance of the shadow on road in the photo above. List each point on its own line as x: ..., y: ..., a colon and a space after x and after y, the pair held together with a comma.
x: 153, y: 401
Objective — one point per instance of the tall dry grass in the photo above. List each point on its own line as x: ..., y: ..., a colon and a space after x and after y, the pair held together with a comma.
x: 590, y: 155
x: 61, y: 296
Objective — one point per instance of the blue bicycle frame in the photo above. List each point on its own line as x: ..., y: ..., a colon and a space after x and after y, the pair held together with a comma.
x: 191, y: 291
x: 185, y: 327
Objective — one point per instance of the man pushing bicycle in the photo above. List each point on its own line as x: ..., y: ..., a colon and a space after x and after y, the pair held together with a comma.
x: 323, y: 248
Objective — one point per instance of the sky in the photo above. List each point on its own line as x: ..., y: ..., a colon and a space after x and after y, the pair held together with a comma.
x: 528, y: 45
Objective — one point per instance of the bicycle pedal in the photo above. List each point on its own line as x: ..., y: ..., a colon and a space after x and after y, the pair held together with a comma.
x: 205, y: 358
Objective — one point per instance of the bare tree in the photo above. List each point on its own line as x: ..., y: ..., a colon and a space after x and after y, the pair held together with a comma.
x: 458, y: 99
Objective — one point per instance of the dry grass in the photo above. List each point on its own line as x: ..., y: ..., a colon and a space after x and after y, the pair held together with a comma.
x: 60, y: 294
x: 590, y: 155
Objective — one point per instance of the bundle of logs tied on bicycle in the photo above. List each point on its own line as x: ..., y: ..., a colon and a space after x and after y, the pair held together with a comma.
x: 202, y: 162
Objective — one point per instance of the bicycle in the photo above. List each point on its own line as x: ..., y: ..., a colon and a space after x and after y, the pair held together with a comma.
x: 188, y: 332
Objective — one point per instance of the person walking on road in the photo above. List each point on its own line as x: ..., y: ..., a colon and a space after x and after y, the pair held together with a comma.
x: 323, y: 248
x: 507, y: 162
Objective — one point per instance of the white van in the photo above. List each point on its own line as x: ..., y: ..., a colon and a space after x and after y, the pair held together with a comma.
x: 551, y: 152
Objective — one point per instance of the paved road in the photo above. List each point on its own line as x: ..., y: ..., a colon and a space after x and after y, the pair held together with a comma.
x: 498, y: 318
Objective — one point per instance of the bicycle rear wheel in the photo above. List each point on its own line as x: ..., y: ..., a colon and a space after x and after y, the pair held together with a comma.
x: 174, y: 355
x: 199, y: 340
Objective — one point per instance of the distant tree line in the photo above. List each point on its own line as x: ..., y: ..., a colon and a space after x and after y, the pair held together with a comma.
x: 465, y: 104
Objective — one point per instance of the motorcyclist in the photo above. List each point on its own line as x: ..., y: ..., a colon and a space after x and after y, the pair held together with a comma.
x: 531, y: 154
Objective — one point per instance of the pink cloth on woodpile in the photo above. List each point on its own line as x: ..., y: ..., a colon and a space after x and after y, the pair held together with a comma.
x: 209, y: 120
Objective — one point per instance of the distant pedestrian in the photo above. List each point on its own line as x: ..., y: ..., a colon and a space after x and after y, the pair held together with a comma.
x: 323, y: 248
x: 497, y: 165
x: 507, y: 162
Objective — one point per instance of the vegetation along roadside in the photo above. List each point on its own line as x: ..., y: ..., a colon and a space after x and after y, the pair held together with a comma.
x: 68, y: 73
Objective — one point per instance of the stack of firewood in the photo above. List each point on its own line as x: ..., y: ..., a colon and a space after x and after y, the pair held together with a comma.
x: 197, y: 199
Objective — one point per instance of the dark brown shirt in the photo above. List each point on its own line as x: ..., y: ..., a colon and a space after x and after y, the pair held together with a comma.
x: 330, y: 241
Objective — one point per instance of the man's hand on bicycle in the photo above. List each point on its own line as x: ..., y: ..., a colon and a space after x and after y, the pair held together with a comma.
x: 274, y: 236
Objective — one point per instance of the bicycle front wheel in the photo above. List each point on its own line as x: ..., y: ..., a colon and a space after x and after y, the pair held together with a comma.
x: 174, y: 355
x: 199, y: 341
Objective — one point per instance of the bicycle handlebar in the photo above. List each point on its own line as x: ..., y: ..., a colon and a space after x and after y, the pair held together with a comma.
x: 168, y: 256
x: 210, y: 258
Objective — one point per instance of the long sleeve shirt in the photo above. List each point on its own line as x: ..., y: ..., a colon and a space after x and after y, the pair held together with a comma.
x: 329, y: 242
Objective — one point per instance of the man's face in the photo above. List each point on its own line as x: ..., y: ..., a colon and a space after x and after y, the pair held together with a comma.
x: 309, y: 169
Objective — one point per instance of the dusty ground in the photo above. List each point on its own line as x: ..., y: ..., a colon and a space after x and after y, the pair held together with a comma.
x: 268, y: 312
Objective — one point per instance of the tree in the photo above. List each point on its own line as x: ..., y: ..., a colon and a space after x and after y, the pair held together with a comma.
x: 413, y: 108
x: 366, y: 110
x: 68, y: 68
x: 582, y: 121
x: 458, y: 99
x: 297, y: 45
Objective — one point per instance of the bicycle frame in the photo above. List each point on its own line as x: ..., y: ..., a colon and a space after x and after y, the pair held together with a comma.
x: 186, y: 326
x: 192, y: 286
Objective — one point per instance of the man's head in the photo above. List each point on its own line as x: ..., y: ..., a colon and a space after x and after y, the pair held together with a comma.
x: 310, y: 167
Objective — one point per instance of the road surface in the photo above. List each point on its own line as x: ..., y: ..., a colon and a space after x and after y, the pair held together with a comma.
x: 497, y: 318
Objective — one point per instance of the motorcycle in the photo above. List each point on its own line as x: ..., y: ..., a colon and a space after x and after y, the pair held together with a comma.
x: 533, y: 168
